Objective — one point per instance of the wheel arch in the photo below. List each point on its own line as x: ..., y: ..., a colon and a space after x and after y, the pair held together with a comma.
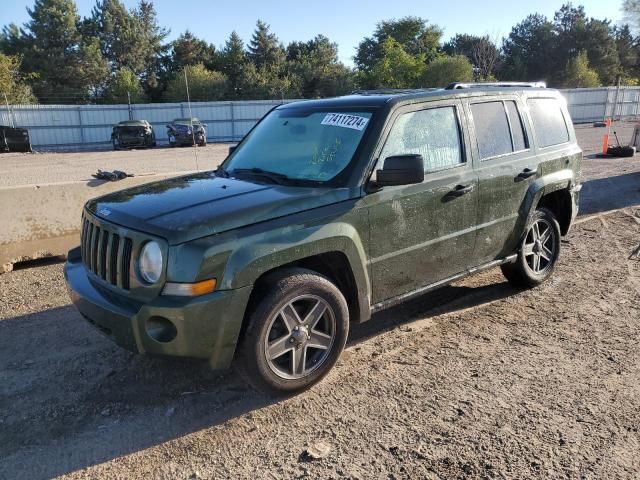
x: 553, y: 192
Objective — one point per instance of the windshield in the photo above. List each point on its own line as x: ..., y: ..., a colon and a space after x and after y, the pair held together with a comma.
x: 186, y: 121
x: 301, y: 145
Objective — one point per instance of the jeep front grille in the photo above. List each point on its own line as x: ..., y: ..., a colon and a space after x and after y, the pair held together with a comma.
x: 106, y: 253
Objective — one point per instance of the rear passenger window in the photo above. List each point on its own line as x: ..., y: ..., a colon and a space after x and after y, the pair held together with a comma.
x: 517, y: 131
x: 492, y: 129
x: 433, y: 133
x: 548, y: 121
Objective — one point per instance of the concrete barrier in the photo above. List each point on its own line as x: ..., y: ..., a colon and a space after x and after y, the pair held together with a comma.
x: 44, y: 220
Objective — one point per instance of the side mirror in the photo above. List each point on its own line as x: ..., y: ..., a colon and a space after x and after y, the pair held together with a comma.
x: 168, y: 126
x: 205, y: 125
x: 401, y: 170
x: 232, y: 149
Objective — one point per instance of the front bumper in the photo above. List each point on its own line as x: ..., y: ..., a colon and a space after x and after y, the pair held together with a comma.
x: 186, y: 139
x: 207, y: 327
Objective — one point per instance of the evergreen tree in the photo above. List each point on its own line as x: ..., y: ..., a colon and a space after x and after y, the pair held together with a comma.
x: 188, y: 49
x: 67, y: 68
x: 264, y: 49
x: 152, y: 37
x: 233, y: 62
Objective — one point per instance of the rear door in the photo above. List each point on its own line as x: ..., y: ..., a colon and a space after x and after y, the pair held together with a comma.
x: 507, y: 164
x: 423, y: 233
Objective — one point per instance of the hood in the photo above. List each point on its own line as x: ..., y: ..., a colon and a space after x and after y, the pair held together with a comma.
x: 194, y: 206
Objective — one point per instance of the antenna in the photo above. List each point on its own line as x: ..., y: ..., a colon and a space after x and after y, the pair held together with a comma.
x: 193, y: 134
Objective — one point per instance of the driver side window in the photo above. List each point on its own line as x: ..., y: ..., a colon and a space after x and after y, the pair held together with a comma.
x: 432, y: 133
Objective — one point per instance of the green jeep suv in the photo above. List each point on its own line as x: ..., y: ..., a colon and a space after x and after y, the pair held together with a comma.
x: 327, y: 211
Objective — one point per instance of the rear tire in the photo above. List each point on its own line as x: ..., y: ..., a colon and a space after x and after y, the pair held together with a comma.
x: 295, y: 333
x: 538, y: 252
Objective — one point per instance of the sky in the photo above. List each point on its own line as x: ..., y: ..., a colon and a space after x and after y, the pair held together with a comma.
x: 345, y: 22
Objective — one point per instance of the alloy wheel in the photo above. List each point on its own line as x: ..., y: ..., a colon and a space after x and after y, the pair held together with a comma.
x: 539, y: 247
x: 300, y: 336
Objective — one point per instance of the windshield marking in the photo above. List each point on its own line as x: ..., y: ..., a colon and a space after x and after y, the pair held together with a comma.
x: 346, y: 121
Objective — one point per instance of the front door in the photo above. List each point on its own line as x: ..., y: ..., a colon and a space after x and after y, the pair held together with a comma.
x: 424, y: 233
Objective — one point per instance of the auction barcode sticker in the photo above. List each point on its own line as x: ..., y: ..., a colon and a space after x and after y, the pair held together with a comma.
x: 344, y: 120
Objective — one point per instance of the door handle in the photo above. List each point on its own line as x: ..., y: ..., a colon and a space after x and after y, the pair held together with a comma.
x: 459, y: 190
x: 526, y: 173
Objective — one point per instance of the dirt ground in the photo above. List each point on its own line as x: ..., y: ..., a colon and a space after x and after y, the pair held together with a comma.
x: 477, y: 380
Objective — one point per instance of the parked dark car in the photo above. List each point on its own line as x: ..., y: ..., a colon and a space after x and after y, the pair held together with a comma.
x: 326, y: 212
x: 14, y: 139
x: 132, y: 134
x: 187, y: 131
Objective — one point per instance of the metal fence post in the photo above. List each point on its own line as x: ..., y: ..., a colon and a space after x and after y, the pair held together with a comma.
x: 80, y: 124
x: 233, y: 122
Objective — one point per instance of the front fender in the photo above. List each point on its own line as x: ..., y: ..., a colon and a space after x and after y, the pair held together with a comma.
x: 251, y: 260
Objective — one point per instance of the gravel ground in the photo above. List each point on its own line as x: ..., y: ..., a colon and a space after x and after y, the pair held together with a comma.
x: 477, y: 380
x: 50, y: 167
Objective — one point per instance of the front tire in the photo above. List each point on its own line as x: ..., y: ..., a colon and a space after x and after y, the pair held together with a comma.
x: 295, y: 333
x: 538, y: 253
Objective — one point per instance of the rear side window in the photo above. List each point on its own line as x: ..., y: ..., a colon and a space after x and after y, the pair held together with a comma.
x: 548, y: 121
x: 433, y: 133
x: 517, y: 131
x: 492, y: 129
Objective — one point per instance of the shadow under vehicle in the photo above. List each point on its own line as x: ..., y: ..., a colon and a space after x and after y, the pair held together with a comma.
x: 14, y: 139
x: 133, y: 134
x: 187, y: 131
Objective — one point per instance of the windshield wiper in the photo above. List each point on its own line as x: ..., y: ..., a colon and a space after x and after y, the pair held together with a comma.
x: 221, y: 172
x: 275, y: 177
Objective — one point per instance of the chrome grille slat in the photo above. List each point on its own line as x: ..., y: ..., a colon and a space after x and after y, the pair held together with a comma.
x: 89, y: 245
x: 106, y: 253
x: 126, y: 262
x: 95, y: 242
x: 102, y: 262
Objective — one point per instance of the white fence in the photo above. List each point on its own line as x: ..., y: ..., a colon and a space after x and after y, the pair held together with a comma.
x: 89, y: 126
x: 596, y: 104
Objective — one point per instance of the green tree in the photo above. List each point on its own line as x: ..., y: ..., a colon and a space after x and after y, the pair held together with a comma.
x: 628, y: 54
x: 579, y: 75
x: 482, y: 52
x: 444, y: 70
x: 415, y: 35
x: 394, y: 68
x: 204, y: 85
x: 188, y: 49
x: 11, y: 39
x: 68, y: 68
x: 153, y: 48
x: 576, y: 33
x: 264, y: 49
x: 120, y: 35
x: 316, y: 68
x: 124, y: 84
x: 233, y: 61
x: 529, y: 50
x: 12, y: 83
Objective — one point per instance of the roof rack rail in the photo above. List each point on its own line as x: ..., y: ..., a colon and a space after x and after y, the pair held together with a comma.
x: 391, y: 91
x: 457, y: 85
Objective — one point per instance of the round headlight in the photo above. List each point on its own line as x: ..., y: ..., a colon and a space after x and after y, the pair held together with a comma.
x: 150, y: 262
